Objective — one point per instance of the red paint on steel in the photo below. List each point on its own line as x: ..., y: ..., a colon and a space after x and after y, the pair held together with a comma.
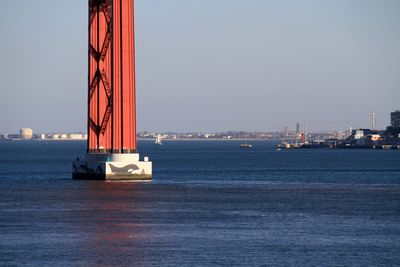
x: 111, y: 81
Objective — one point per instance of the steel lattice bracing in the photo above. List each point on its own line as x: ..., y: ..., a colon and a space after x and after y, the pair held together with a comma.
x: 111, y: 83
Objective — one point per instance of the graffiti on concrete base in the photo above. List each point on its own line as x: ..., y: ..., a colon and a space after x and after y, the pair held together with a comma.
x: 131, y: 169
x: 83, y: 168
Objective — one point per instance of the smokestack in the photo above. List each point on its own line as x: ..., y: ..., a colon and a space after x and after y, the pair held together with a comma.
x: 373, y: 121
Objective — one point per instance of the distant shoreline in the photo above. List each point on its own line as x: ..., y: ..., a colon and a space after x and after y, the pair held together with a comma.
x: 42, y: 140
x: 232, y: 139
x: 145, y: 139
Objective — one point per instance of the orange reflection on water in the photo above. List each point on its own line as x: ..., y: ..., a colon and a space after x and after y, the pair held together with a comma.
x: 115, y: 226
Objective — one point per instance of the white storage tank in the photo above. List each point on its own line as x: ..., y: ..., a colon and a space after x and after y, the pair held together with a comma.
x: 26, y: 133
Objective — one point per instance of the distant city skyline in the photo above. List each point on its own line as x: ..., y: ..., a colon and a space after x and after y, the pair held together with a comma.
x: 210, y: 66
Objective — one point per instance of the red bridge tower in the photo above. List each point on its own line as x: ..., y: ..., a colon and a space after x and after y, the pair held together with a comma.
x: 111, y: 145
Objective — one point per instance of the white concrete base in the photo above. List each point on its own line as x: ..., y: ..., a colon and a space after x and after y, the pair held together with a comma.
x: 112, y: 167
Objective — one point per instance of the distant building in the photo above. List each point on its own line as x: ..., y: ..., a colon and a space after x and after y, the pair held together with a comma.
x: 395, y: 119
x: 297, y: 128
x: 359, y: 134
x: 55, y: 136
x: 26, y: 133
x: 286, y: 132
x: 77, y: 136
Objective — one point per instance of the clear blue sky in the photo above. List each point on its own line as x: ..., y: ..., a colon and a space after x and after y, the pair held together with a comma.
x: 207, y: 65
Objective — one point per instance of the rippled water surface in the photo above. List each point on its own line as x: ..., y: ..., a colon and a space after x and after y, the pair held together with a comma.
x: 210, y: 203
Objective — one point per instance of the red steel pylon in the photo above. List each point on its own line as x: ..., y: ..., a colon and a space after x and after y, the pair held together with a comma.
x: 111, y: 79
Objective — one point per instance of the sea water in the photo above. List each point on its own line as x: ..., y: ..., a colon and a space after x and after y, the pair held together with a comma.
x: 210, y: 203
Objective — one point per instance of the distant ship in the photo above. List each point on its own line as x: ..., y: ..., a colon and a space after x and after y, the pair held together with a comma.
x: 245, y: 145
x: 158, y: 140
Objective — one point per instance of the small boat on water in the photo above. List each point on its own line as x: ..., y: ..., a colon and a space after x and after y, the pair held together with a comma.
x: 245, y: 145
x: 158, y: 140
